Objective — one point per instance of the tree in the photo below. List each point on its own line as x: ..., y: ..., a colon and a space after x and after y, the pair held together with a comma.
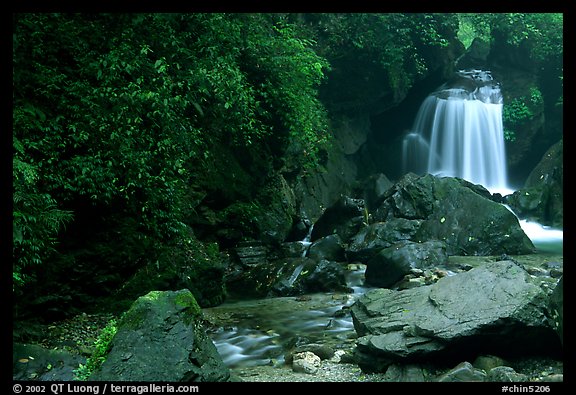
x: 134, y: 117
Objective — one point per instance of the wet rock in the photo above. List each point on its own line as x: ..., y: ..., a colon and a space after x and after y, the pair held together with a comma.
x: 557, y: 308
x: 328, y: 247
x: 251, y: 252
x: 505, y: 374
x: 306, y: 362
x: 412, y: 197
x: 373, y: 238
x: 405, y: 373
x: 326, y: 276
x: 161, y: 338
x: 471, y: 224
x: 374, y: 189
x: 495, y: 308
x: 464, y: 372
x: 289, y: 277
x: 293, y: 249
x: 541, y: 199
x: 391, y: 264
x: 488, y: 362
x: 455, y: 211
x: 33, y: 362
x: 344, y: 218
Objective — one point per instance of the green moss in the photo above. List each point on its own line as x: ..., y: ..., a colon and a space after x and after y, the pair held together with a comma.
x: 187, y: 300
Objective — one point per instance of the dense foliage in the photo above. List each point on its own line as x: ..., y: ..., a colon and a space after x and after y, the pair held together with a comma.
x: 539, y: 34
x: 129, y: 127
x: 122, y: 112
x: 374, y: 56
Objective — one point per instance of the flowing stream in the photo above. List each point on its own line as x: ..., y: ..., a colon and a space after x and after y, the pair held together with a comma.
x: 260, y: 332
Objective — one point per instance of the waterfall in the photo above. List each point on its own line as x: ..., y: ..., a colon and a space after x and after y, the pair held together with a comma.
x: 458, y: 132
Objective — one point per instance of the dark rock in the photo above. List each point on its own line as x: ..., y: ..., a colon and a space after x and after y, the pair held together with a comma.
x: 495, y: 308
x: 34, y: 362
x: 197, y: 266
x: 391, y: 264
x: 471, y: 224
x: 557, y: 308
x: 475, y: 56
x: 292, y: 249
x: 463, y: 215
x: 326, y: 276
x: 161, y: 338
x: 373, y: 238
x: 464, y: 372
x: 299, y: 231
x: 505, y: 374
x: 328, y: 247
x: 289, y: 277
x: 405, y: 374
x: 412, y: 197
x: 374, y: 189
x: 488, y: 362
x: 344, y: 218
x: 251, y: 252
x: 541, y: 199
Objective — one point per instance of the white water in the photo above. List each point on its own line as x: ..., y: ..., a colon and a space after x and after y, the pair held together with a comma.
x: 458, y: 132
x: 242, y: 346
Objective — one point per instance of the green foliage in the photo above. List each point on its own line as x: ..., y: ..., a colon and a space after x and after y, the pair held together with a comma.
x: 124, y: 111
x: 467, y: 31
x: 541, y: 34
x: 376, y: 55
x: 519, y: 111
x: 36, y: 220
x: 101, y: 349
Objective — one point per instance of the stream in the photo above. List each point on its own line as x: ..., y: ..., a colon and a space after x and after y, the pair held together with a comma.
x: 260, y: 332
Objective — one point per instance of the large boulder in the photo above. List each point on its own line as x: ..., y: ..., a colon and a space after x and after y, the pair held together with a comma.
x: 496, y: 308
x: 391, y: 264
x: 463, y: 215
x: 374, y: 188
x: 162, y: 338
x: 373, y: 238
x: 328, y: 247
x: 344, y: 218
x: 542, y: 199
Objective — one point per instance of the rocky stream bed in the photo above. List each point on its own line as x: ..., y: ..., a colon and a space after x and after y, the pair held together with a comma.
x: 258, y: 339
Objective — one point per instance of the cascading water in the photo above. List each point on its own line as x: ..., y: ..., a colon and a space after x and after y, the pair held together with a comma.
x: 458, y: 132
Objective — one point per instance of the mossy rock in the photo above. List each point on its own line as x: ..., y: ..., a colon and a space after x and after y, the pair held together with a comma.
x: 162, y: 338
